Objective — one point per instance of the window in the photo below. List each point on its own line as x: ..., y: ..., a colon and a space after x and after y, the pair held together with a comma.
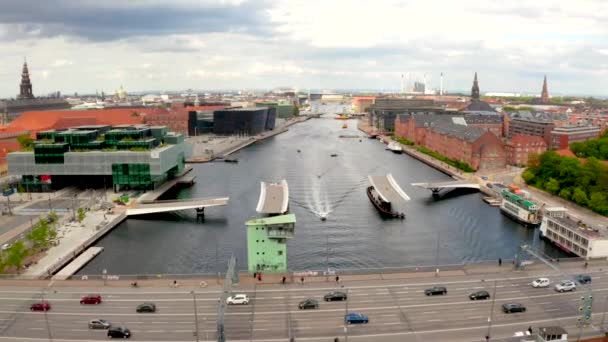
x: 280, y: 252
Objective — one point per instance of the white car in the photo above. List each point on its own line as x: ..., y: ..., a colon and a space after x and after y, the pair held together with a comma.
x: 238, y: 299
x: 566, y: 285
x: 541, y: 282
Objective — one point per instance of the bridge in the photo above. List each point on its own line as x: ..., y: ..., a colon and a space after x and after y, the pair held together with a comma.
x: 274, y: 198
x: 451, y: 185
x: 388, y: 189
x: 174, y: 205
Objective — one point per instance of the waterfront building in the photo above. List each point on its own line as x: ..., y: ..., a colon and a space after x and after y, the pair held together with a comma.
x: 562, y: 137
x: 124, y: 157
x: 284, y: 110
x: 530, y: 123
x: 521, y: 147
x: 249, y: 121
x: 384, y: 111
x: 267, y: 243
x: 362, y: 104
x: 572, y: 235
x: 519, y: 208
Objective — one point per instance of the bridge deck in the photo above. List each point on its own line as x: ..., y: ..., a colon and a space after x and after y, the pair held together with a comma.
x: 448, y: 184
x: 164, y: 206
x: 388, y: 189
x: 274, y: 198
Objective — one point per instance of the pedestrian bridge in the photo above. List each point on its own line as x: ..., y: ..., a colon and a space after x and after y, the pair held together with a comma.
x: 388, y: 189
x: 274, y: 198
x: 451, y: 185
x: 174, y: 205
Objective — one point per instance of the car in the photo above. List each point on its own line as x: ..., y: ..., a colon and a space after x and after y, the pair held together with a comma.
x: 355, y: 318
x: 335, y: 295
x: 119, y: 332
x: 513, y: 307
x: 479, y: 295
x: 436, y: 290
x: 146, y: 307
x: 583, y: 279
x: 484, y: 177
x: 238, y: 299
x: 541, y: 282
x: 99, y: 324
x: 6, y: 246
x: 40, y: 306
x: 309, y: 303
x: 566, y: 285
x: 91, y: 299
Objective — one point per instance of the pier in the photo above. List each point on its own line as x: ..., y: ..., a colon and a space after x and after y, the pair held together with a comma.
x: 274, y: 198
x: 77, y: 263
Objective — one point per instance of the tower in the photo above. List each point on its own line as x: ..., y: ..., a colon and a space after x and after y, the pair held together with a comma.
x: 544, y: 96
x: 267, y: 243
x: 26, y: 86
x: 475, y: 89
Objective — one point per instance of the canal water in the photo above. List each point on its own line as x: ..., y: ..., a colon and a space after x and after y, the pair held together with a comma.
x: 459, y: 229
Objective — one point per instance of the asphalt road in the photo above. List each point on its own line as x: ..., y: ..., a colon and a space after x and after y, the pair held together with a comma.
x: 397, y: 312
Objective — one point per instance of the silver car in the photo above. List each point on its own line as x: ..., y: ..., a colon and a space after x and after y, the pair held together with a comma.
x: 566, y: 285
x: 99, y: 324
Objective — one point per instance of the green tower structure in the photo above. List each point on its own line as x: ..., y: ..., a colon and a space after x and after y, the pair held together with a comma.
x: 267, y: 243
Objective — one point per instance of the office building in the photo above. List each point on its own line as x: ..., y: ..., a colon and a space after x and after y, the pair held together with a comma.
x: 562, y: 137
x: 250, y: 121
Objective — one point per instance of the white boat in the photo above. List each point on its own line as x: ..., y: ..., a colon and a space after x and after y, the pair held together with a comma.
x: 520, y: 209
x: 395, y: 147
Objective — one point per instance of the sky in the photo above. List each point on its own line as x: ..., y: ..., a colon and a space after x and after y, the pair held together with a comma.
x: 88, y: 45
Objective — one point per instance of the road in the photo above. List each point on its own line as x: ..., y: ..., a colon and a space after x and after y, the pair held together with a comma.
x: 398, y: 311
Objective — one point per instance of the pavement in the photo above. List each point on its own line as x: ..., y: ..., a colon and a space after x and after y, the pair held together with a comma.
x: 397, y: 307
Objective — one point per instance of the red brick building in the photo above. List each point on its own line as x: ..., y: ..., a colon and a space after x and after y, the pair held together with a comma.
x: 520, y: 148
x: 488, y: 122
x: 580, y: 119
x: 562, y: 137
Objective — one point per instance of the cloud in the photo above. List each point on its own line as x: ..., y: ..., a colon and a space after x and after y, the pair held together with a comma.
x: 61, y: 63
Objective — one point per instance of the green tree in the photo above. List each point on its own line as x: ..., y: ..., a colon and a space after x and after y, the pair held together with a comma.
x: 3, y: 264
x: 16, y: 254
x: 552, y: 186
x: 81, y: 215
x: 26, y: 142
x: 598, y: 203
x: 528, y: 175
x: 579, y: 196
x: 296, y: 111
x: 53, y: 217
x: 565, y: 194
x: 40, y: 235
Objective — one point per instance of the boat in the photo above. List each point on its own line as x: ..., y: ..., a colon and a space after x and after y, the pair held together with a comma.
x: 395, y: 147
x: 345, y: 126
x: 342, y: 117
x: 520, y: 209
x: 492, y: 201
x: 334, y: 155
x: 383, y: 207
x: 299, y: 151
x: 231, y: 160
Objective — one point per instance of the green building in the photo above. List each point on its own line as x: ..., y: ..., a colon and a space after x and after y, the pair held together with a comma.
x: 124, y: 157
x: 267, y: 243
x: 284, y: 109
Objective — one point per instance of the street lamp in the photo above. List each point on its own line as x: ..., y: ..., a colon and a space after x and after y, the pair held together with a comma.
x: 345, y: 314
x: 195, y: 315
x: 105, y: 276
x: 491, y: 315
x: 46, y: 317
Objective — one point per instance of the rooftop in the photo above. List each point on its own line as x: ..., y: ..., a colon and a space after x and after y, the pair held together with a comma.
x: 461, y: 132
x: 289, y: 218
x: 477, y: 106
x: 577, y: 225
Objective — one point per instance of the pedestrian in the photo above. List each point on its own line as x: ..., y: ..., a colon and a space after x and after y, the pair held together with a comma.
x: 337, y: 279
x: 175, y: 283
x: 530, y: 329
x: 586, y: 264
x: 260, y: 276
x: 255, y: 275
x: 302, y: 280
x: 283, y: 280
x: 499, y: 261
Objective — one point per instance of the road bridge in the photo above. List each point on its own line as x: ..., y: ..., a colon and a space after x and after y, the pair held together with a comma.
x: 174, y: 205
x: 435, y: 187
x: 274, y: 198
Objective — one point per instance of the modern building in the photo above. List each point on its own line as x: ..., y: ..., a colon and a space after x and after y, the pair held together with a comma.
x: 521, y: 147
x: 284, y: 110
x: 124, y: 157
x: 572, y: 235
x: 562, y: 137
x: 528, y: 123
x: 267, y: 243
x: 384, y: 111
x: 249, y: 121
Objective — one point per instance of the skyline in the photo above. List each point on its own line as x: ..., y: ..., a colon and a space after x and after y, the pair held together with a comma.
x: 233, y: 44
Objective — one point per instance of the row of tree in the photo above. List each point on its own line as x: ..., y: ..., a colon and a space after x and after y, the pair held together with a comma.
x: 38, y: 239
x: 597, y: 148
x: 585, y: 184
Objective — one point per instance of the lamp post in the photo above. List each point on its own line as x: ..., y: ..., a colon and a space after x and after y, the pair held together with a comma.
x: 46, y: 317
x: 491, y: 315
x: 437, y: 255
x: 195, y: 315
x: 345, y: 314
x: 105, y: 276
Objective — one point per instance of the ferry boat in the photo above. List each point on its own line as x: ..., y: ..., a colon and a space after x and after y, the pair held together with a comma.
x: 520, y: 209
x: 383, y: 207
x: 395, y: 147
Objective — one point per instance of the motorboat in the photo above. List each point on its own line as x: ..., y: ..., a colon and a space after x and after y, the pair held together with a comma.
x: 395, y: 147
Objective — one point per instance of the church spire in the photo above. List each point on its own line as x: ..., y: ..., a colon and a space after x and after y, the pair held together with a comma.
x: 475, y: 89
x: 26, y: 85
x: 544, y: 96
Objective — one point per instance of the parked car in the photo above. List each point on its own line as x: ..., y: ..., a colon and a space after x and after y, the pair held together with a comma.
x: 583, y: 279
x: 119, y: 332
x: 91, y: 299
x: 355, y: 318
x: 513, y: 307
x: 309, y: 303
x: 238, y: 299
x: 146, y: 307
x: 541, y: 282
x: 479, y: 295
x: 436, y: 290
x: 40, y: 306
x: 566, y: 285
x: 99, y: 324
x: 335, y: 295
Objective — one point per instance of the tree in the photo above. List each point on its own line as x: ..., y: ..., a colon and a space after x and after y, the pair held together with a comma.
x: 81, y: 215
x: 40, y: 235
x: 53, y: 217
x: 579, y: 196
x: 16, y: 254
x: 25, y: 141
x: 552, y: 186
x: 598, y: 203
x: 528, y: 175
x: 296, y: 110
x: 565, y: 194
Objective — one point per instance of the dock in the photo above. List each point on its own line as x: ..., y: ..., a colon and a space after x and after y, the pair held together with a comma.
x: 77, y: 263
x: 274, y: 198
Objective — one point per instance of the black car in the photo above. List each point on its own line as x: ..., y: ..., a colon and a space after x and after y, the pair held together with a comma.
x: 309, y: 304
x: 335, y: 295
x: 119, y: 332
x: 436, y: 290
x: 583, y: 279
x: 146, y: 307
x: 513, y: 307
x: 479, y: 295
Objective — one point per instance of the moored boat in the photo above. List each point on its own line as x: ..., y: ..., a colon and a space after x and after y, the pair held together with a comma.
x: 395, y: 147
x: 520, y: 209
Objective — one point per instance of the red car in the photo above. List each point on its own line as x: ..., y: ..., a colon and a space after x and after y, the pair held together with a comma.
x: 41, y: 306
x: 91, y: 299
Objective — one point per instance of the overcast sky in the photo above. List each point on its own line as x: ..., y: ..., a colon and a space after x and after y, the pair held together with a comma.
x: 322, y: 44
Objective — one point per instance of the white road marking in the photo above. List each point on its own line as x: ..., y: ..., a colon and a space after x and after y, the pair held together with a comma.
x: 392, y: 323
x: 474, y: 317
x: 36, y: 328
x: 429, y: 312
x: 434, y: 320
x: 552, y: 309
